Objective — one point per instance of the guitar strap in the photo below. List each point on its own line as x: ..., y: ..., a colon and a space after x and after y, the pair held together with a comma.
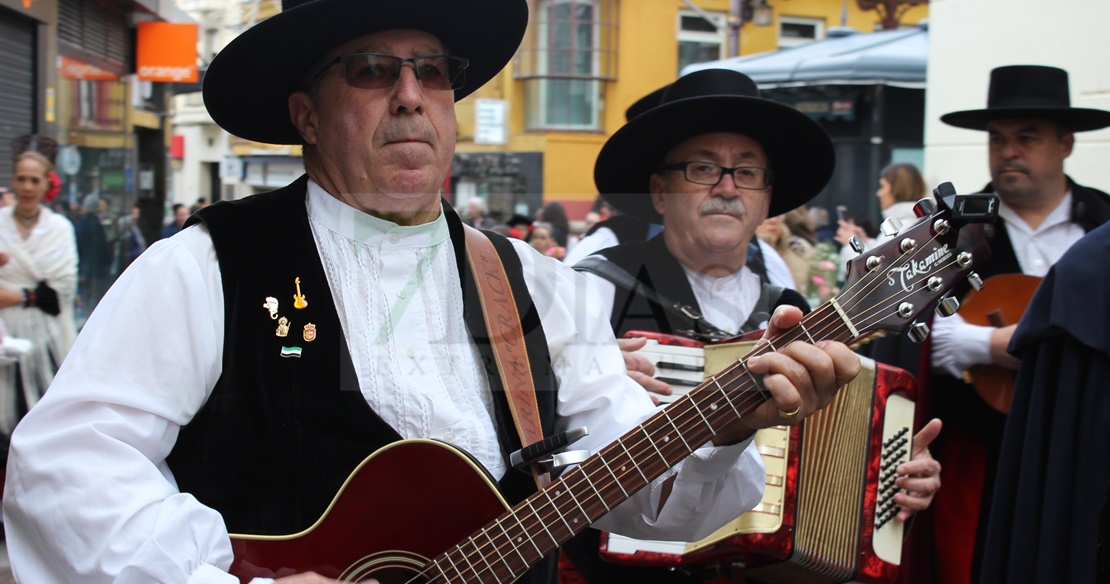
x: 495, y: 296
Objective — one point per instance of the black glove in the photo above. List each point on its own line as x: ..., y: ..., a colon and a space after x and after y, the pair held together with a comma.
x: 46, y: 299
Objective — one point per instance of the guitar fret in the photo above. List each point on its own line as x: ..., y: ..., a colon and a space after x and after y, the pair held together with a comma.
x: 809, y: 336
x: 712, y: 430
x: 509, y: 539
x: 751, y: 376
x: 442, y: 574
x: 632, y: 461
x: 543, y: 524
x: 524, y: 534
x: 616, y: 479
x: 481, y: 554
x: 498, y: 552
x: 599, y: 495
x: 652, y: 442
x: 728, y: 399
x: 570, y: 492
x: 456, y: 568
x: 557, y: 512
x: 680, y: 437
x: 477, y: 574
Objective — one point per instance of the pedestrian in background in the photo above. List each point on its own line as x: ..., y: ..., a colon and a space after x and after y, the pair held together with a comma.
x: 37, y: 287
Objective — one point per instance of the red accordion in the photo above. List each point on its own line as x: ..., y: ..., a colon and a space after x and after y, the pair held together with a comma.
x: 827, y: 513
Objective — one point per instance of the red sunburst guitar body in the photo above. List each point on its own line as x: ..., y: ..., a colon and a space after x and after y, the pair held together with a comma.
x: 404, y: 505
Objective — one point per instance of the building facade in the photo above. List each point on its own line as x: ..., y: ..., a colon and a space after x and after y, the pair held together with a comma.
x: 69, y: 74
x: 532, y: 134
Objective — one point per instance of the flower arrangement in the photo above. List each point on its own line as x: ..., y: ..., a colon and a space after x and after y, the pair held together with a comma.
x: 823, y: 271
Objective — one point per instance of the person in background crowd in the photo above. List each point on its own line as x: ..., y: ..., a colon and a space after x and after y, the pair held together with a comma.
x: 160, y: 434
x: 555, y: 215
x: 476, y: 214
x: 900, y: 188
x: 132, y: 242
x: 519, y: 226
x: 37, y: 287
x: 180, y: 215
x: 1030, y: 127
x: 6, y: 197
x: 95, y: 254
x: 543, y: 240
x: 795, y: 250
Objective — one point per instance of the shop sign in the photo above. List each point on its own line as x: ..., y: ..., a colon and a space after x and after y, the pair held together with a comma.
x: 74, y: 69
x: 166, y: 52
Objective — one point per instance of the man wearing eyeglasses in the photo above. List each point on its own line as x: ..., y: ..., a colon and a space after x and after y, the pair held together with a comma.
x: 717, y: 159
x: 241, y: 369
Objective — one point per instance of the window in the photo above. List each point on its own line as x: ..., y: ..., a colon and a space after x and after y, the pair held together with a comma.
x: 699, y: 39
x: 569, y: 50
x: 797, y: 30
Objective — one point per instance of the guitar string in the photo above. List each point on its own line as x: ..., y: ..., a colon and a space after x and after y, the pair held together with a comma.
x: 618, y: 480
x: 825, y: 321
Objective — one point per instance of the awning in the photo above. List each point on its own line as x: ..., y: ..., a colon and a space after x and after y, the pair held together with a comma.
x: 844, y: 57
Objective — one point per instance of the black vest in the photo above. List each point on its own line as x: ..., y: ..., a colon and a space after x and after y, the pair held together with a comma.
x: 655, y: 268
x: 279, y: 434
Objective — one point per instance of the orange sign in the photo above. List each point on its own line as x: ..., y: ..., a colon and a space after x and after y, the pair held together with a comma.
x: 74, y: 69
x: 166, y: 52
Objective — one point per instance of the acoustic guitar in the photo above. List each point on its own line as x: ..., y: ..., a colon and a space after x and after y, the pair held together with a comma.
x: 422, y: 511
x: 1001, y: 302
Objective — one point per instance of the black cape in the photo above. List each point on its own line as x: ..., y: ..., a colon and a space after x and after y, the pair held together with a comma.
x: 1054, y: 467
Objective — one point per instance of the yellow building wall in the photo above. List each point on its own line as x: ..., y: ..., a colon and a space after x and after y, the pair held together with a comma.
x: 647, y: 59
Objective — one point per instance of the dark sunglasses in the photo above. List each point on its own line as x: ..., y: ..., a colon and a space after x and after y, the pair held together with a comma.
x: 378, y: 71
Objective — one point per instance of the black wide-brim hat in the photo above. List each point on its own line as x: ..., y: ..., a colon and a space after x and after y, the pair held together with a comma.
x: 800, y: 152
x: 1029, y: 91
x: 248, y: 84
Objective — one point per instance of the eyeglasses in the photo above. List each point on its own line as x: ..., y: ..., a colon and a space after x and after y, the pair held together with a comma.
x: 710, y: 173
x: 377, y: 71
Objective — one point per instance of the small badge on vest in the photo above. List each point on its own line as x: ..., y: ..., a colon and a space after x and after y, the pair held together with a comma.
x: 299, y: 300
x: 271, y: 305
x: 283, y: 327
x: 309, y: 332
x: 290, y: 351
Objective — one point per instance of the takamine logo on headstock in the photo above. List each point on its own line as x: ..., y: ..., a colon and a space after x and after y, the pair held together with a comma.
x: 890, y: 286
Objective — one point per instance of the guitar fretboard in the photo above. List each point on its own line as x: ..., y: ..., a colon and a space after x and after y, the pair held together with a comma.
x: 505, y: 549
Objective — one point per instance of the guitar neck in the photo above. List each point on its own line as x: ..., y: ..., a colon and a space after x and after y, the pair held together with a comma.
x: 507, y: 547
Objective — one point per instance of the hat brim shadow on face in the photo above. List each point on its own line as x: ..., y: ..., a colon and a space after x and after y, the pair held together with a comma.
x: 1075, y: 119
x: 800, y: 152
x: 248, y: 84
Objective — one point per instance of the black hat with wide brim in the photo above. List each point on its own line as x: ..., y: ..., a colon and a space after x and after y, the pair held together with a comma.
x: 800, y: 152
x: 1029, y: 91
x: 248, y: 84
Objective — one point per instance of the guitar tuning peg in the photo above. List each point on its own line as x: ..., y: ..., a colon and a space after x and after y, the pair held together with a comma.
x: 918, y: 332
x: 948, y: 306
x: 856, y: 243
x: 924, y: 207
x: 975, y: 281
x: 891, y: 226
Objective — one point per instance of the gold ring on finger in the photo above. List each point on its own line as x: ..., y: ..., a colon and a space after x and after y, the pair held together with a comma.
x: 788, y: 415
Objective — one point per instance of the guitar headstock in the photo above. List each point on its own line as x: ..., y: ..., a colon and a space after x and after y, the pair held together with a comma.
x: 890, y: 286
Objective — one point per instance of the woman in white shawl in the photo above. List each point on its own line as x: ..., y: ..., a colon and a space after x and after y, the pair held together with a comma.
x: 37, y: 287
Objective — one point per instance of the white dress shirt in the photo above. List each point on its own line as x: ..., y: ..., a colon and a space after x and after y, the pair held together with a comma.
x: 958, y: 345
x: 90, y: 497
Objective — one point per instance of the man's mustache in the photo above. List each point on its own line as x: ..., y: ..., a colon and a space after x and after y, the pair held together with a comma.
x: 1012, y: 166
x: 721, y: 205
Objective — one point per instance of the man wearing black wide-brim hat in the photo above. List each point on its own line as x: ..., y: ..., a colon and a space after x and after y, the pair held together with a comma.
x: 241, y: 369
x: 1030, y: 126
x: 710, y: 162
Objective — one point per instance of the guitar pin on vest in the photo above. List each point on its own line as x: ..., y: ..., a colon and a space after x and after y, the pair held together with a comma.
x: 299, y: 300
